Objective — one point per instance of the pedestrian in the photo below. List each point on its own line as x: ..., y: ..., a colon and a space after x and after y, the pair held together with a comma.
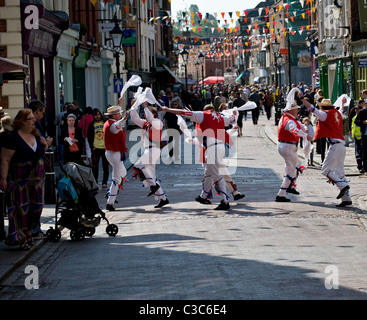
x: 330, y: 126
x: 361, y: 121
x: 196, y: 103
x: 211, y: 129
x: 238, y: 102
x: 59, y: 123
x: 164, y: 97
x: 255, y: 97
x: 311, y: 132
x: 173, y: 130
x: 268, y: 104
x: 115, y: 145
x: 83, y: 125
x: 6, y: 127
x: 22, y: 177
x: 357, y: 137
x: 38, y: 109
x: 290, y: 129
x: 144, y: 167
x: 72, y: 138
x: 77, y: 111
x: 96, y: 142
x: 2, y: 114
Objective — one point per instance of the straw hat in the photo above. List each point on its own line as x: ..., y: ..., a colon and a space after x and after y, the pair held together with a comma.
x: 113, y: 110
x: 2, y: 113
x: 326, y: 103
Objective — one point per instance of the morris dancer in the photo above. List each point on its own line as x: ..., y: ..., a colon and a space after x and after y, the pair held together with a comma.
x: 212, y: 130
x: 289, y: 132
x: 115, y: 145
x: 145, y: 167
x: 330, y: 126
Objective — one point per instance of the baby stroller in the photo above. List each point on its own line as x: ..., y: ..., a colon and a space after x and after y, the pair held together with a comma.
x: 77, y: 205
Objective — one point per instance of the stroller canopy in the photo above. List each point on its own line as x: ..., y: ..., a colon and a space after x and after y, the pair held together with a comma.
x: 82, y: 177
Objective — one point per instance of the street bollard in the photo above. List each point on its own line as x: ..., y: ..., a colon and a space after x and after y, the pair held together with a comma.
x: 50, y: 179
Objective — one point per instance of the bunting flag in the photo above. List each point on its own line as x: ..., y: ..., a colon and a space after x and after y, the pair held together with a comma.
x: 94, y: 2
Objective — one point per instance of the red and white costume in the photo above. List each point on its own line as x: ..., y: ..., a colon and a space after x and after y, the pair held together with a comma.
x: 212, y: 127
x: 330, y: 126
x: 289, y: 132
x: 152, y: 132
x: 115, y: 145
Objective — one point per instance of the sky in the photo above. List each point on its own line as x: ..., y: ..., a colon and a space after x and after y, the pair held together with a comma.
x: 211, y: 6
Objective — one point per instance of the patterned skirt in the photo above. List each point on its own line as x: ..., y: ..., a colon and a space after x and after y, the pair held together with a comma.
x: 24, y: 199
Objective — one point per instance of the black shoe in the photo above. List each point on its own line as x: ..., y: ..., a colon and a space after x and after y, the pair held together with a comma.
x: 223, y: 206
x: 110, y: 207
x: 153, y: 190
x: 238, y: 196
x: 292, y: 190
x: 343, y: 192
x: 162, y: 203
x: 202, y: 201
x: 344, y: 204
x: 282, y: 199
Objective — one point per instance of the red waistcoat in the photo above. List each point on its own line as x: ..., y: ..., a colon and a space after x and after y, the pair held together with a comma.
x: 213, y: 126
x: 332, y: 127
x: 285, y: 135
x: 114, y: 142
x: 154, y: 134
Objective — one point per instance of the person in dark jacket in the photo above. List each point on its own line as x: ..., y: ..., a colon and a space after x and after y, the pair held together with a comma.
x: 96, y: 143
x: 361, y: 121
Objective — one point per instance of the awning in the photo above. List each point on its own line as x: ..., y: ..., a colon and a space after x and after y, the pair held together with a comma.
x: 239, y: 77
x: 178, y: 80
x: 7, y: 65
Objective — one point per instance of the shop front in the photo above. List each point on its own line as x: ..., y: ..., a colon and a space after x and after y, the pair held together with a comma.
x: 64, y: 68
x: 360, y: 66
x: 39, y: 51
x: 80, y: 63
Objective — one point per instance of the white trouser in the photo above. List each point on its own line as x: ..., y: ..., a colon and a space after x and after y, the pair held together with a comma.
x: 292, y: 162
x: 214, y: 171
x: 333, y: 167
x: 146, y: 164
x: 118, y: 173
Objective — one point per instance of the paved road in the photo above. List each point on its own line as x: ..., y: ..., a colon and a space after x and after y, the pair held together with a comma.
x: 260, y: 249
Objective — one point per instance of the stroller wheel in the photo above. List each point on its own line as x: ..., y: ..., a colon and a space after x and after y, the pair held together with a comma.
x: 89, y: 231
x: 77, y: 234
x: 53, y: 234
x: 112, y: 230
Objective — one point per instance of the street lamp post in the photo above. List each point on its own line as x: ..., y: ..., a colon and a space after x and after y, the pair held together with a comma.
x: 185, y: 56
x: 202, y: 60
x: 117, y: 35
x: 276, y: 49
x: 197, y: 65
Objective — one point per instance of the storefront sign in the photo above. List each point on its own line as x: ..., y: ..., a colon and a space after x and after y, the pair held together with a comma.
x: 334, y: 47
x: 129, y: 39
x: 14, y: 76
x: 362, y: 62
x: 304, y: 58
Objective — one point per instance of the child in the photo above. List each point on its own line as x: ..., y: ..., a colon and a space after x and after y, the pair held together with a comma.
x: 307, y: 122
